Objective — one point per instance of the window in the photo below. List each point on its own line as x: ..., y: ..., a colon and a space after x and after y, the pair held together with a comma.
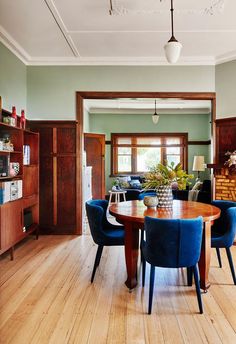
x: 135, y: 153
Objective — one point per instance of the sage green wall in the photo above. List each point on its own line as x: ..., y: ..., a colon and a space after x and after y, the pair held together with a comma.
x: 51, y: 89
x: 13, y: 87
x: 197, y: 126
x: 226, y: 89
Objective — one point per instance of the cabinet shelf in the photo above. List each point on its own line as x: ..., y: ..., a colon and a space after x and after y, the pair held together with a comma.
x: 19, y: 176
x: 12, y: 213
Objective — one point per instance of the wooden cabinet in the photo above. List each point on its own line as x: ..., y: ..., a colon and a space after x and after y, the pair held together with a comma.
x: 58, y: 181
x: 13, y: 213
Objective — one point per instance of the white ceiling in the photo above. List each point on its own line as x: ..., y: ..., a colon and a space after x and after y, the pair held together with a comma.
x: 134, y: 106
x: 82, y: 32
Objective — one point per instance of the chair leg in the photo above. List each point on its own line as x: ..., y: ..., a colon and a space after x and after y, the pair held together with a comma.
x: 141, y: 240
x: 143, y: 271
x: 190, y: 276
x: 218, y: 256
x: 231, y: 264
x: 97, y: 261
x: 197, y: 285
x: 151, y: 287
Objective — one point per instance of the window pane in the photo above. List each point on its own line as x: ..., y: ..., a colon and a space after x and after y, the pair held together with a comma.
x: 124, y: 163
x: 124, y: 140
x: 173, y: 150
x: 124, y: 151
x: 148, y: 141
x: 147, y: 157
x: 173, y: 158
x: 173, y: 140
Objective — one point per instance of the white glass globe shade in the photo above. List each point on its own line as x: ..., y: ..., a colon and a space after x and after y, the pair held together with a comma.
x: 172, y: 51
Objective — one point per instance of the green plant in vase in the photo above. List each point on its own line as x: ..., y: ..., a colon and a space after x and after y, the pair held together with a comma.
x: 162, y: 176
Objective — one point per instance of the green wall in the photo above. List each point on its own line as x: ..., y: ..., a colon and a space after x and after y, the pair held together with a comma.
x: 225, y: 89
x: 51, y: 89
x: 13, y: 86
x: 197, y: 126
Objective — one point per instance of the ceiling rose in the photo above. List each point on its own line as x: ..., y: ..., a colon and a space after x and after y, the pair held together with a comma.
x: 131, y: 7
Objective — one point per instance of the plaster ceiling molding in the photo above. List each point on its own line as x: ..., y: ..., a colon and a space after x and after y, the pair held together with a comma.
x: 138, y: 7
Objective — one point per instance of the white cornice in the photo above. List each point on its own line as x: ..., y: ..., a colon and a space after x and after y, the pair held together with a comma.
x: 226, y: 57
x: 121, y: 61
x: 17, y: 50
x: 13, y: 46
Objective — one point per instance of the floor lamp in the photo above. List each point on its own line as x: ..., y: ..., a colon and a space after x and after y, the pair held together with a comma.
x: 198, y: 165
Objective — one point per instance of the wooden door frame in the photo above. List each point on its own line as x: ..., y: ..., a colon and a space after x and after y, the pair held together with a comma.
x: 103, y: 156
x: 80, y: 96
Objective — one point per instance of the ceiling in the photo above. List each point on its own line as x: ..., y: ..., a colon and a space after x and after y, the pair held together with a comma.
x: 82, y: 32
x: 134, y: 106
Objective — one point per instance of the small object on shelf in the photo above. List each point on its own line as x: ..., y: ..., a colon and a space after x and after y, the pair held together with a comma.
x: 10, y: 191
x: 26, y: 155
x: 4, y: 165
x: 22, y: 119
x: 5, y: 143
x: 13, y: 117
x: 14, y: 168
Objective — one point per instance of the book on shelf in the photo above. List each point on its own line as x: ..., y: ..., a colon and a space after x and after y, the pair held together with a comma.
x: 26, y: 155
x: 10, y: 191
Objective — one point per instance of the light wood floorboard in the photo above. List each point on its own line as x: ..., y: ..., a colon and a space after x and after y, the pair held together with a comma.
x: 46, y: 298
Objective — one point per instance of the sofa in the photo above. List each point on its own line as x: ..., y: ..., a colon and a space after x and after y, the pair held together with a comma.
x: 203, y: 194
x: 136, y: 191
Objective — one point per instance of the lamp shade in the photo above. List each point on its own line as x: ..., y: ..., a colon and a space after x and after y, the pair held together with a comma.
x: 155, y: 118
x: 172, y: 51
x: 198, y: 163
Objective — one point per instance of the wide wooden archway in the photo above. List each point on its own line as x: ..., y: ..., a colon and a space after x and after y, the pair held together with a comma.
x: 81, y: 96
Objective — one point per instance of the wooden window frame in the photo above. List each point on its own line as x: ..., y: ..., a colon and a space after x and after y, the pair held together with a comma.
x: 114, y: 149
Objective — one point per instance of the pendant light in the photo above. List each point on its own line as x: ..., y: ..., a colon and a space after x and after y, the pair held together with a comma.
x: 172, y: 47
x: 155, y: 116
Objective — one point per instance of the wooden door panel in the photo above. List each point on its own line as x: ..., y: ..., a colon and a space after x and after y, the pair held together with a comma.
x: 11, y: 223
x: 66, y: 138
x: 66, y: 191
x: 94, y: 145
x: 45, y: 142
x: 46, y: 191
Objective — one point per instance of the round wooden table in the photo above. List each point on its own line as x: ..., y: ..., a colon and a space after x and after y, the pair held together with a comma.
x: 132, y: 214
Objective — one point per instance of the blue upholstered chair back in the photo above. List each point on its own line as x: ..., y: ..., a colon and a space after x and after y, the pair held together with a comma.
x: 173, y: 243
x: 225, y: 226
x: 96, y: 213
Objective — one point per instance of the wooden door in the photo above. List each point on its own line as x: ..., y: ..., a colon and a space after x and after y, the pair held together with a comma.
x: 94, y: 145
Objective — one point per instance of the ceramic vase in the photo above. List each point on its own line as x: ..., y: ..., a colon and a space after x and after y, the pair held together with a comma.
x: 165, y: 196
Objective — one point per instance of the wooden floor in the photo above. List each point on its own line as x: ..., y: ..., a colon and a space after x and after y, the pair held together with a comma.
x: 46, y: 297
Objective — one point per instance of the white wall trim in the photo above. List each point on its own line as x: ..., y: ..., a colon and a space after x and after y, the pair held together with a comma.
x: 13, y: 46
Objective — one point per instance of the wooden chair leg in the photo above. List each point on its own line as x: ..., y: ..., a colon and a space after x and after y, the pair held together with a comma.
x: 218, y: 256
x: 197, y: 285
x: 151, y: 287
x: 97, y: 261
x: 231, y: 264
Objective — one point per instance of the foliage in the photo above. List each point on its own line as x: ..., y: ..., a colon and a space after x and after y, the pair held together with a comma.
x: 163, y: 174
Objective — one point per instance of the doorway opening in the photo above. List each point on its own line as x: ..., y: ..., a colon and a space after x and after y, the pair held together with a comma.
x: 84, y: 97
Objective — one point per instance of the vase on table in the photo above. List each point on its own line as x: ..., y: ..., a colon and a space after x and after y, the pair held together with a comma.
x: 165, y: 196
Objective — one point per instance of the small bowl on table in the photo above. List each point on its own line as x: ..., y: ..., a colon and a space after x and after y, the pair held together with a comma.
x: 150, y: 201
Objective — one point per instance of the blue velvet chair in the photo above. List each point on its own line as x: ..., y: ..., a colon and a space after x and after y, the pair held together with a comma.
x: 172, y: 244
x: 103, y: 232
x: 224, y: 230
